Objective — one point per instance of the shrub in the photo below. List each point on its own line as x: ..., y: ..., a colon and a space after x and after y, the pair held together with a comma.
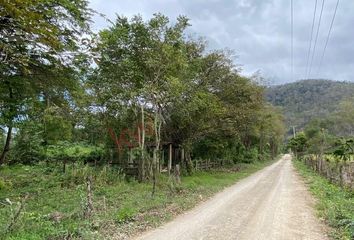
x: 75, y: 152
x: 126, y: 214
x: 250, y: 156
x: 5, y: 185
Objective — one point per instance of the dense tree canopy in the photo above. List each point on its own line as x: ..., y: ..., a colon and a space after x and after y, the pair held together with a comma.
x: 40, y: 44
x: 150, y: 85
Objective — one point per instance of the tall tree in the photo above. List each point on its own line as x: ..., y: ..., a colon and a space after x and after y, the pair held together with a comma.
x: 39, y: 43
x: 142, y: 63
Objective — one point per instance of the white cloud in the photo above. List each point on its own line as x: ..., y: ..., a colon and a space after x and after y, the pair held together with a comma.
x: 257, y: 30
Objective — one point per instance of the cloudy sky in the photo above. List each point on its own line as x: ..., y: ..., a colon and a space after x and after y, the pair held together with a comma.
x: 259, y: 32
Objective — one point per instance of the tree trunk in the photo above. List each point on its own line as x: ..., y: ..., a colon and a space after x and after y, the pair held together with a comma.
x: 9, y: 130
x: 7, y: 145
x: 154, y: 172
x: 89, y: 204
x: 157, y: 127
x: 169, y: 164
x: 188, y: 161
x: 141, y: 133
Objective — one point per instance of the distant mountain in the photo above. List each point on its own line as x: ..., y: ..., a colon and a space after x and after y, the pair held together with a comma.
x: 307, y: 99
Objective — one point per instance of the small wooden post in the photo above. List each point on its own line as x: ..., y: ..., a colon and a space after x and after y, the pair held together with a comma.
x: 89, y: 205
x: 169, y: 166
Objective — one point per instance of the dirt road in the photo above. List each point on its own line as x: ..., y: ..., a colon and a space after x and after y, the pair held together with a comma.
x: 271, y: 204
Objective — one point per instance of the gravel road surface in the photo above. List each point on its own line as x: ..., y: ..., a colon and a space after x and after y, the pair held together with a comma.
x: 270, y: 204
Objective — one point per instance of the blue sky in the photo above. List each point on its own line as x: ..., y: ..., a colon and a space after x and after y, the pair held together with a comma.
x: 258, y: 31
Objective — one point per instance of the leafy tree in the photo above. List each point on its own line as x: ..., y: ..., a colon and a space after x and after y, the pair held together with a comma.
x: 142, y: 63
x: 344, y: 149
x: 298, y: 144
x: 56, y: 127
x: 28, y: 143
x: 40, y: 42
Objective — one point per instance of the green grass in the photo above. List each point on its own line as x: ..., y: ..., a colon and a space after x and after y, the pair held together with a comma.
x: 121, y: 207
x: 335, y: 205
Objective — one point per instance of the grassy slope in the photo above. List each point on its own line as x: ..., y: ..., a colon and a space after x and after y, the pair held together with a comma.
x: 334, y: 204
x: 121, y: 208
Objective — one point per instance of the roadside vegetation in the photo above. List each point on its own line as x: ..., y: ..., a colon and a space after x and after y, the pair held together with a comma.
x: 325, y: 157
x: 56, y: 202
x: 100, y: 131
x: 334, y: 204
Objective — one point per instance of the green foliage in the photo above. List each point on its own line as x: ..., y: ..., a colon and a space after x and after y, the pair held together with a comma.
x: 126, y: 214
x: 189, y: 96
x: 57, y: 127
x: 334, y: 204
x: 36, y: 70
x: 198, y: 97
x: 317, y: 140
x: 298, y: 144
x: 78, y: 152
x: 5, y: 185
x: 305, y: 100
x: 343, y: 119
x: 60, y: 110
x: 344, y: 149
x: 332, y: 135
x: 28, y: 143
x: 251, y: 156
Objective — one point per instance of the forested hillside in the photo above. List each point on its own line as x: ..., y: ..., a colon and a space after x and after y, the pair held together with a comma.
x: 308, y: 99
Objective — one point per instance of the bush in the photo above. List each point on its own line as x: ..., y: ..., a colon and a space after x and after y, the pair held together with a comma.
x: 5, y: 185
x: 27, y: 145
x: 126, y: 214
x: 250, y: 156
x: 75, y: 152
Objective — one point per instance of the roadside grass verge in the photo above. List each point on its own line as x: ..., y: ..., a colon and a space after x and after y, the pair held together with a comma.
x: 56, y: 201
x: 334, y: 204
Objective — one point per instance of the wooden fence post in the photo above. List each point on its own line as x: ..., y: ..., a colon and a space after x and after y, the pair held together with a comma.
x: 169, y: 166
x: 89, y: 204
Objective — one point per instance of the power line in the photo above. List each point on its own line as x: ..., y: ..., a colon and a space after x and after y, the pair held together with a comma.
x: 329, y: 33
x: 314, y: 46
x: 292, y: 40
x: 309, y: 50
